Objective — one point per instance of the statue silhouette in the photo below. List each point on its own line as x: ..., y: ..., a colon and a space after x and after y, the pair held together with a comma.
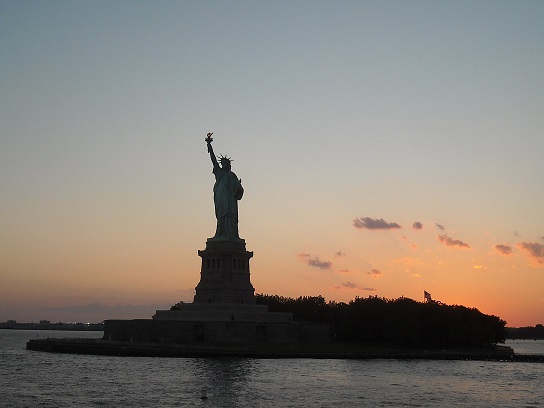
x: 227, y: 190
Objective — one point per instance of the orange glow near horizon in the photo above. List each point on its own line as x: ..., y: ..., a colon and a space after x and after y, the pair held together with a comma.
x: 139, y: 272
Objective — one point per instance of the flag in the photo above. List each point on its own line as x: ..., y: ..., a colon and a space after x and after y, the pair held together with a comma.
x: 427, y: 296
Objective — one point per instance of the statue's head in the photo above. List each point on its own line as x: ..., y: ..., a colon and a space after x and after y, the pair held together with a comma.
x: 225, y: 162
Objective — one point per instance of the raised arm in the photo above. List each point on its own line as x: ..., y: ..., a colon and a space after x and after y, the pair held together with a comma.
x: 210, y: 150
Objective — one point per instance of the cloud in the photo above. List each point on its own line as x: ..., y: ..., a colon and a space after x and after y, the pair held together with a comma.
x: 504, y: 249
x: 339, y: 253
x: 444, y: 239
x: 315, y: 261
x: 351, y: 285
x: 417, y: 225
x: 440, y: 226
x: 415, y: 275
x: 344, y: 270
x: 375, y: 273
x: 369, y: 223
x: 534, y: 249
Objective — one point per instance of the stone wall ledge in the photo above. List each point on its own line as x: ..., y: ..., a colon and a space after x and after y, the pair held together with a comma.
x: 264, y: 350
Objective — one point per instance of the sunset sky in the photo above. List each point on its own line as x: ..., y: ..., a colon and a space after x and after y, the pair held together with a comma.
x: 385, y: 148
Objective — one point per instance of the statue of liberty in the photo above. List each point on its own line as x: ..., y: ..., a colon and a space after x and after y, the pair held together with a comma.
x: 227, y: 190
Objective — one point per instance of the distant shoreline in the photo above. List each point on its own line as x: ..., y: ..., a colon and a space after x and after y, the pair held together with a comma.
x: 512, y: 333
x: 53, y: 326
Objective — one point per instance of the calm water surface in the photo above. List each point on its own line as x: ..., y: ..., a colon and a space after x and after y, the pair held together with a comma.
x: 36, y: 379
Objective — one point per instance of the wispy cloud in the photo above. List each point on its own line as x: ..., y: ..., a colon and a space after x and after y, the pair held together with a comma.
x: 417, y: 225
x: 375, y: 273
x: 535, y: 251
x: 504, y: 249
x: 440, y: 226
x: 315, y: 261
x: 344, y: 270
x: 444, y: 239
x: 339, y: 253
x: 351, y: 285
x: 374, y: 224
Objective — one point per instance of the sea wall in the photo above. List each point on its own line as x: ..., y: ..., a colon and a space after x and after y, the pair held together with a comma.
x: 332, y: 350
x: 164, y: 331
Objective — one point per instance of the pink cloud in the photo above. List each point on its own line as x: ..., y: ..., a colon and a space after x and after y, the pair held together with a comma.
x: 534, y: 249
x: 351, y: 285
x: 444, y: 239
x: 315, y: 261
x: 504, y: 249
x: 369, y: 223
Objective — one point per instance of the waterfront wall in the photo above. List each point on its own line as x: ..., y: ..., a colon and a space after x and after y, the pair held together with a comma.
x: 165, y: 331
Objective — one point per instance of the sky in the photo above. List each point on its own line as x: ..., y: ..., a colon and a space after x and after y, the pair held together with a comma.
x: 386, y: 148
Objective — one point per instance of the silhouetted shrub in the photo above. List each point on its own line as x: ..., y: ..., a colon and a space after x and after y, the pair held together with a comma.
x: 528, y: 332
x: 398, y: 322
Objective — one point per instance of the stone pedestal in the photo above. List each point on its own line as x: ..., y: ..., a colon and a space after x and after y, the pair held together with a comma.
x: 218, y: 312
x: 224, y: 275
x: 224, y: 310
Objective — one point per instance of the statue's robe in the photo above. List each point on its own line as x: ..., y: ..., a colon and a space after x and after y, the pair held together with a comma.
x: 226, y: 193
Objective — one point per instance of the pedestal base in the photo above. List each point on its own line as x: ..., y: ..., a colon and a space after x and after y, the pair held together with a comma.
x: 224, y: 275
x: 218, y: 312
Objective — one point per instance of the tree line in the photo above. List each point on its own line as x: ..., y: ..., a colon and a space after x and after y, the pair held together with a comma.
x: 401, y: 322
x: 536, y: 332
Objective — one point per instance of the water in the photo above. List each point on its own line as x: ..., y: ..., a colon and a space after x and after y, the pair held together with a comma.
x: 37, y: 379
x: 526, y: 346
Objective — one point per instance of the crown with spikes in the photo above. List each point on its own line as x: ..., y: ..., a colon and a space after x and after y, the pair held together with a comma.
x: 221, y: 158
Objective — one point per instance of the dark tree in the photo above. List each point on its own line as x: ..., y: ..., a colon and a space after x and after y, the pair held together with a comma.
x: 397, y: 322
